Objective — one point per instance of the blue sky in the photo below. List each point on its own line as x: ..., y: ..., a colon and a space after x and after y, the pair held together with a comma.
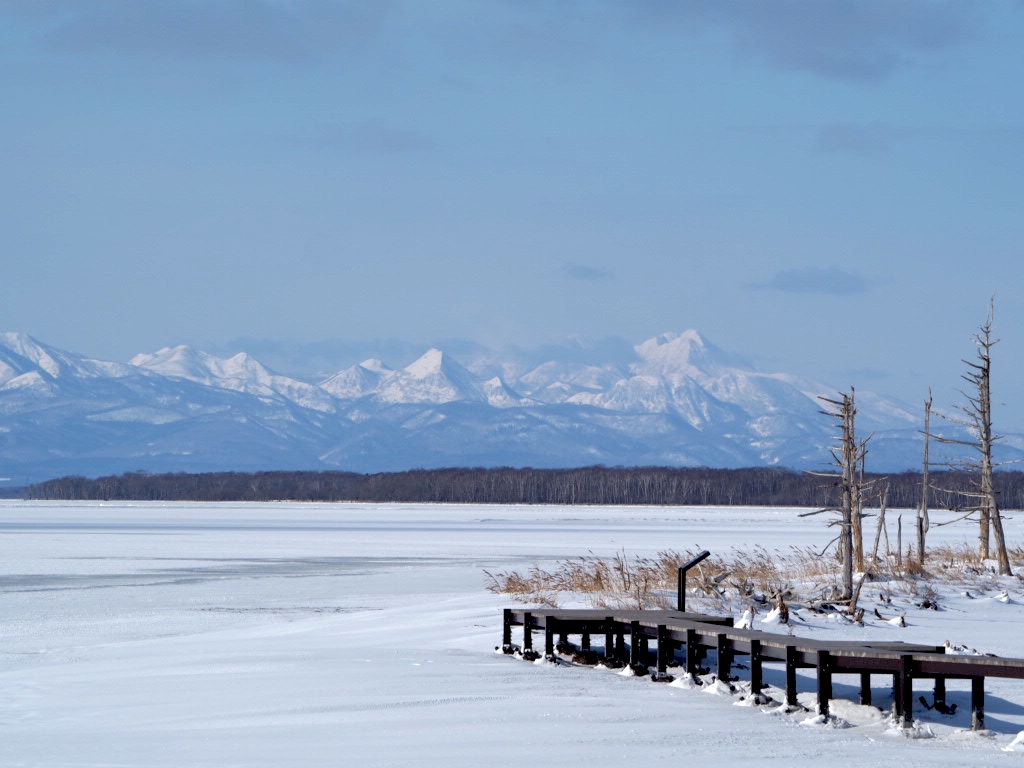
x: 833, y: 189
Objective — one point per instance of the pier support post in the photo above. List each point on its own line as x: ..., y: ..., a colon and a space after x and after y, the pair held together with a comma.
x: 506, y: 628
x: 865, y: 689
x: 634, y: 642
x: 585, y: 641
x: 527, y: 633
x: 977, y: 703
x: 824, y: 682
x: 903, y: 692
x: 724, y: 657
x: 756, y: 669
x: 609, y: 637
x: 791, y: 655
x: 692, y: 652
x: 940, y: 689
x: 549, y: 636
x: 665, y: 649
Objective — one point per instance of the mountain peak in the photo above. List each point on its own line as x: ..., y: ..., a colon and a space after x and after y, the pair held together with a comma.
x: 433, y: 378
x: 26, y: 347
x: 431, y: 362
x: 687, y: 353
x: 180, y: 361
x: 373, y: 365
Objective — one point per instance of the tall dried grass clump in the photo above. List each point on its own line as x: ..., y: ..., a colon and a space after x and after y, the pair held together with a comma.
x: 744, y: 576
x: 623, y: 582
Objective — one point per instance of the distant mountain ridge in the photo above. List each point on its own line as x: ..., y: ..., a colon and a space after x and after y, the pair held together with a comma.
x: 683, y: 402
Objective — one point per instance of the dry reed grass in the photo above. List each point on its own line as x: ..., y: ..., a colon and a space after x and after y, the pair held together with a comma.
x: 739, y: 576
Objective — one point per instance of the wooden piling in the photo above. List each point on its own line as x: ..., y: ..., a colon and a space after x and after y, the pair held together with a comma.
x: 666, y: 649
x: 977, y: 703
x: 634, y: 643
x: 824, y: 682
x: 692, y: 652
x: 791, y: 662
x: 756, y: 672
x: 903, y: 698
x: 724, y: 657
x: 865, y: 689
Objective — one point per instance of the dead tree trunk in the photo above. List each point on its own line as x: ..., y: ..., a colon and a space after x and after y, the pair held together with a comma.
x: 848, y: 456
x: 978, y: 422
x: 979, y: 409
x: 922, y: 510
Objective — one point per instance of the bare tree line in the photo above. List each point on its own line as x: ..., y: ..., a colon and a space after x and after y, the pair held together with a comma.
x: 756, y: 486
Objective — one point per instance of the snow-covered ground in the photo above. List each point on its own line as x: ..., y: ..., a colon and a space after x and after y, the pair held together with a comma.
x: 353, y: 634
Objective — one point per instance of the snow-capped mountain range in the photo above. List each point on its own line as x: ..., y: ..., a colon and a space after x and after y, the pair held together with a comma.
x: 683, y: 402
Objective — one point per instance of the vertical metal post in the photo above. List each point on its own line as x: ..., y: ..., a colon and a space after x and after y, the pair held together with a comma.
x: 549, y: 636
x: 681, y: 585
x: 940, y: 689
x: 609, y: 638
x: 506, y: 628
x: 527, y: 636
x: 824, y: 682
x: 585, y: 641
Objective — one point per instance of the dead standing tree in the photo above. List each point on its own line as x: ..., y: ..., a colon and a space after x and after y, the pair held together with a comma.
x: 923, y: 523
x: 848, y: 456
x: 978, y: 423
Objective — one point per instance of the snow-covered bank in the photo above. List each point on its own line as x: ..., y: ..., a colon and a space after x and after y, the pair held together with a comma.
x: 296, y: 634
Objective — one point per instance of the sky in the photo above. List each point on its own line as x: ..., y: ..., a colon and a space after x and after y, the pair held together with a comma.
x: 832, y: 189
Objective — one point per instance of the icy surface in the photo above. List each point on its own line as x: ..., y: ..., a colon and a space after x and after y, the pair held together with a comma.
x: 329, y: 635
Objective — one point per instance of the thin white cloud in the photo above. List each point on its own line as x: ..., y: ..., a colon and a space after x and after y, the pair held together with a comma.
x: 827, y: 281
x: 369, y: 136
x: 291, y: 30
x: 584, y: 272
x: 866, y: 40
x: 853, y: 137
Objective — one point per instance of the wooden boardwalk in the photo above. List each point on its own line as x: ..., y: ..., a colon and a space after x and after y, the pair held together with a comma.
x: 627, y: 636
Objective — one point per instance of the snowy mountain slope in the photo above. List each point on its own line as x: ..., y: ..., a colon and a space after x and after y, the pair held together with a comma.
x: 433, y: 378
x: 42, y: 365
x: 359, y: 380
x: 65, y: 414
x: 240, y: 373
x: 556, y: 382
x: 682, y: 401
x: 437, y: 378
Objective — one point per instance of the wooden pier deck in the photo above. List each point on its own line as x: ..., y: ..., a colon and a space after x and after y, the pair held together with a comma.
x: 627, y: 636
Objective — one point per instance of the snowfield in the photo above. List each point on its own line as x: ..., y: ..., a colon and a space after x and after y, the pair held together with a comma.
x: 352, y: 634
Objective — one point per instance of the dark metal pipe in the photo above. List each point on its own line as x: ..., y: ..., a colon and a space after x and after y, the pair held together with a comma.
x: 681, y: 590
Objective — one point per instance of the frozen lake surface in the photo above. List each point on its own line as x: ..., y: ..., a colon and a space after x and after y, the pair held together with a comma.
x: 352, y: 634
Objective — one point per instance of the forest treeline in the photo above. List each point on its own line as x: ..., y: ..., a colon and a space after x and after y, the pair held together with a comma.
x: 589, y: 485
